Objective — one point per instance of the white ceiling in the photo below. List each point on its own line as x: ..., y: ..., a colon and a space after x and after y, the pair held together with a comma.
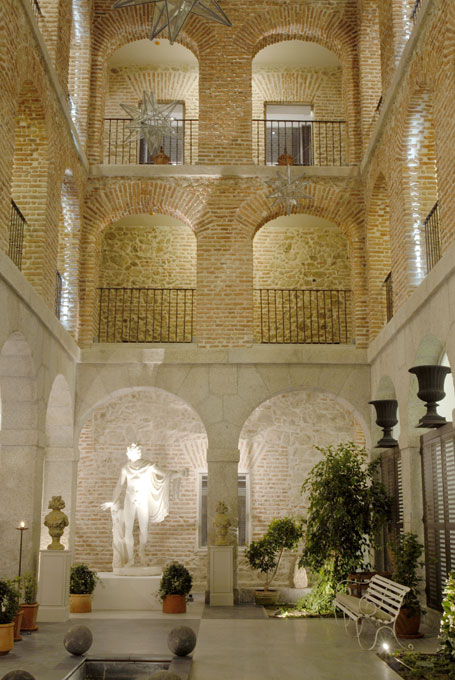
x: 303, y: 220
x: 153, y: 52
x: 149, y: 221
x: 295, y: 54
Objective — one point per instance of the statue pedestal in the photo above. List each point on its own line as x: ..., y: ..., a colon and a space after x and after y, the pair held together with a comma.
x: 222, y: 575
x: 126, y: 592
x: 54, y: 584
x: 137, y: 571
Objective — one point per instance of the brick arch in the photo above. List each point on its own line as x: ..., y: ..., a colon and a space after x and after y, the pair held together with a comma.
x: 108, y: 204
x: 323, y: 26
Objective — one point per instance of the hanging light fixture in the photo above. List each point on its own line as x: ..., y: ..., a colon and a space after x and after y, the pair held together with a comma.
x: 152, y: 121
x: 386, y: 418
x: 431, y: 390
x: 287, y: 192
x: 173, y: 14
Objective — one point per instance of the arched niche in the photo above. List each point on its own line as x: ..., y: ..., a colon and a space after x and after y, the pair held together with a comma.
x: 447, y: 405
x: 173, y: 436
x: 60, y: 461
x: 20, y: 458
x: 277, y: 451
x: 301, y: 272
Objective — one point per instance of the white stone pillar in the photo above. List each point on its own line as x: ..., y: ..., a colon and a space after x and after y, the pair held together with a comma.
x: 411, y: 470
x: 54, y: 584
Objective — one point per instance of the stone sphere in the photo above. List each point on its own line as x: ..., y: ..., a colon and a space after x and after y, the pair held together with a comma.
x: 18, y: 675
x: 165, y: 675
x: 181, y: 640
x: 78, y: 639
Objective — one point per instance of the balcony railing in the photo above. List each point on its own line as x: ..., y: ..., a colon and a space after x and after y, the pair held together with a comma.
x: 146, y: 314
x: 58, y: 294
x: 316, y: 142
x: 388, y: 291
x: 432, y: 237
x: 181, y: 149
x: 16, y: 235
x: 415, y: 9
x: 285, y: 316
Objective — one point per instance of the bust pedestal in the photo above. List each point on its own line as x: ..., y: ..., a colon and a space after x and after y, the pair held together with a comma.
x: 221, y: 575
x: 54, y: 584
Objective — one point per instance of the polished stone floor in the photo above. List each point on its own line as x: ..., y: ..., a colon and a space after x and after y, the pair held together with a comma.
x: 238, y: 643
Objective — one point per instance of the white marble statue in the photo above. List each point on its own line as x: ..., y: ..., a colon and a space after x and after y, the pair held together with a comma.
x: 147, y: 493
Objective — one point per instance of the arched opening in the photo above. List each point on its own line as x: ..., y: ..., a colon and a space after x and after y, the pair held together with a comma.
x: 20, y: 459
x: 379, y: 265
x: 277, y: 451
x: 172, y: 436
x: 298, y: 105
x: 29, y: 187
x: 421, y: 187
x: 67, y: 294
x: 147, y: 280
x: 60, y: 464
x: 79, y: 65
x: 447, y: 405
x: 302, y: 282
x: 172, y: 74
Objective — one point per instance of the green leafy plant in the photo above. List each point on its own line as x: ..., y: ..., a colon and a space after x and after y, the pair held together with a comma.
x: 264, y: 555
x: 176, y: 580
x: 347, y: 506
x: 9, y: 602
x: 82, y: 580
x: 447, y: 627
x: 406, y: 551
x: 29, y: 586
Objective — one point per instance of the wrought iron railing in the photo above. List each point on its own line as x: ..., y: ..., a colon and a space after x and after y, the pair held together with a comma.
x: 316, y: 142
x: 302, y: 316
x: 36, y: 9
x: 16, y: 235
x: 415, y: 9
x: 388, y: 290
x: 146, y: 314
x: 432, y: 237
x: 58, y: 294
x: 181, y: 149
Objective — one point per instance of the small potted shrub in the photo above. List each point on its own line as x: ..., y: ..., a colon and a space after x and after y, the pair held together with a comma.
x: 29, y: 605
x: 265, y: 554
x: 82, y: 584
x: 175, y: 585
x: 15, y: 584
x: 406, y: 551
x: 9, y: 606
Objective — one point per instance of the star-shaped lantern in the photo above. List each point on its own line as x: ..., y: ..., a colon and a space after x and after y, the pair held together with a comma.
x: 152, y: 121
x: 174, y: 13
x: 287, y: 192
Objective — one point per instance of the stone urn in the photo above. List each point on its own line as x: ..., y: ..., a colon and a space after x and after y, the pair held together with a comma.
x: 222, y: 524
x: 431, y: 390
x: 285, y: 158
x: 386, y: 417
x: 56, y: 521
x: 161, y: 158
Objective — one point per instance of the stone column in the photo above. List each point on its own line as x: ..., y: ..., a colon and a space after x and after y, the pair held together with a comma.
x: 222, y: 486
x: 411, y: 470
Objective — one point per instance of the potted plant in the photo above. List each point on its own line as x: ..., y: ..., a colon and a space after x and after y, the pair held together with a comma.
x: 15, y: 584
x: 29, y: 605
x: 347, y: 506
x: 265, y: 554
x: 82, y: 584
x: 175, y: 585
x: 9, y: 606
x: 406, y: 551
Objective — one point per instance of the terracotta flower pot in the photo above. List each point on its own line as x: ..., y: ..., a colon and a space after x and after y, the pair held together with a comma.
x: 17, y: 625
x: 29, y: 616
x: 174, y: 604
x: 81, y: 604
x: 265, y: 597
x: 6, y: 637
x: 408, y: 626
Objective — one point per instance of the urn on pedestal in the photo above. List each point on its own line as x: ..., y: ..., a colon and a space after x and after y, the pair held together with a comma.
x: 431, y: 390
x: 386, y: 417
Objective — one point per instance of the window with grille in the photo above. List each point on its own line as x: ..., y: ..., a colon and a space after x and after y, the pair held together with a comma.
x: 438, y: 471
x: 392, y: 479
x: 243, y: 509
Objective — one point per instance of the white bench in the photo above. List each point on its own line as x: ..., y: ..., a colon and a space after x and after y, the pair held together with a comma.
x: 381, y: 604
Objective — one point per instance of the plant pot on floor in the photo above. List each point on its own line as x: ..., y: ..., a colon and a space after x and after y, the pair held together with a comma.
x: 17, y: 625
x: 174, y: 604
x: 29, y: 616
x: 407, y: 626
x: 6, y: 637
x: 81, y: 604
x: 265, y: 597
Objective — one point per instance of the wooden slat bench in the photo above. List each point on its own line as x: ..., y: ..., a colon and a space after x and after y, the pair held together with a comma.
x: 381, y: 604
